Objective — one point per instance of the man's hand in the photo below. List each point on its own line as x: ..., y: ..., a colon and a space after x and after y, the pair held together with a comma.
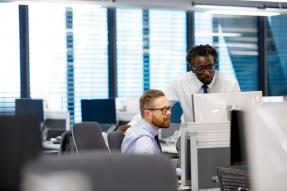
x: 123, y: 128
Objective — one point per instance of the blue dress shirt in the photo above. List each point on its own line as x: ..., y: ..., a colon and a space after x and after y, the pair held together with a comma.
x: 139, y: 139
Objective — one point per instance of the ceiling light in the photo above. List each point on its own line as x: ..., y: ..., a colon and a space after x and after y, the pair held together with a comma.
x: 231, y: 10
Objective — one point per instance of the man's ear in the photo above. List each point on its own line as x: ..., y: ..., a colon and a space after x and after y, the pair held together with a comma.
x: 148, y: 115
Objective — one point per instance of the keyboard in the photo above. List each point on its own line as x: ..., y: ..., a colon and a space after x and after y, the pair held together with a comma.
x: 233, y: 179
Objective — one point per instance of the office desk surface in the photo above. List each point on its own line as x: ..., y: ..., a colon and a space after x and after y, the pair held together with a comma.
x: 168, y: 148
x: 50, y: 145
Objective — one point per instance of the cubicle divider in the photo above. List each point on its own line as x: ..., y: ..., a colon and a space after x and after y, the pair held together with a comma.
x: 208, y: 149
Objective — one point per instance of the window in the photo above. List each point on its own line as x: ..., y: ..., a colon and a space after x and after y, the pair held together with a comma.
x: 235, y: 38
x: 167, y: 46
x: 9, y: 58
x: 90, y: 54
x: 68, y: 55
x: 150, y: 50
x: 48, y: 55
x: 277, y: 55
x: 129, y: 52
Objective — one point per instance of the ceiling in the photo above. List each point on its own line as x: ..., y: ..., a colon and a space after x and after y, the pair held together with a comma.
x: 173, y: 4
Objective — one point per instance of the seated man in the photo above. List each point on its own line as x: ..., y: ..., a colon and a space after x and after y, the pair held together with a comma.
x: 141, y: 137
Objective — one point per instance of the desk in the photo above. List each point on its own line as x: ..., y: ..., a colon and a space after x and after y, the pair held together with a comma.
x: 168, y: 148
x: 49, y: 145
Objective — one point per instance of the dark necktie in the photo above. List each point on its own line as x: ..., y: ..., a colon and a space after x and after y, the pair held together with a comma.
x: 204, y: 87
x: 157, y: 142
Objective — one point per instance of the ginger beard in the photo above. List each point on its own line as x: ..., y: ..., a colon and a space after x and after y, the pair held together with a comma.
x: 163, y: 122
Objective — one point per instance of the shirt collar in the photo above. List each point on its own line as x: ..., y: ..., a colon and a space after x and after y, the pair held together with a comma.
x: 199, y: 83
x: 149, y: 127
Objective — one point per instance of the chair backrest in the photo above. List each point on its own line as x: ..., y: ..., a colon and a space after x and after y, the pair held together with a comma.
x: 115, y: 139
x: 88, y: 136
x: 20, y: 142
x: 67, y: 144
x: 106, y: 171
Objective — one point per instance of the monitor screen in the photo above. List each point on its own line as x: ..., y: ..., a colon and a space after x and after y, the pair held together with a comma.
x: 100, y: 110
x: 237, y: 140
x: 266, y: 136
x: 30, y: 107
x: 216, y: 107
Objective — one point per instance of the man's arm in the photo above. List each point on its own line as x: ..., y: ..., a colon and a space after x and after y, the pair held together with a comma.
x: 171, y: 92
x: 145, y: 145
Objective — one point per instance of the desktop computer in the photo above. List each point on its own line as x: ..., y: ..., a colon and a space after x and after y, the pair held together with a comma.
x: 102, y: 111
x: 30, y: 107
x: 209, y: 136
x: 266, y: 139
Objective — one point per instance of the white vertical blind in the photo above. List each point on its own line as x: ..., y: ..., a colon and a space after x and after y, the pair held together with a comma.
x: 167, y: 46
x: 129, y: 52
x: 90, y: 54
x: 203, y: 28
x: 9, y: 58
x: 48, y: 54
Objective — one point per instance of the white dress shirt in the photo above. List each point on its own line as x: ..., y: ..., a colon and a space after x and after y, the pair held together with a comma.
x: 139, y: 139
x: 182, y: 87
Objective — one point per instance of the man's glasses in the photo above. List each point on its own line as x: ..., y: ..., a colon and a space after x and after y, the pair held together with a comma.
x: 202, y: 69
x: 163, y: 109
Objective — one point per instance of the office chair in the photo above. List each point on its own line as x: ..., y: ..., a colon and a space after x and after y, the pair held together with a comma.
x: 20, y: 143
x: 103, y: 172
x: 115, y: 139
x: 67, y: 144
x: 88, y: 136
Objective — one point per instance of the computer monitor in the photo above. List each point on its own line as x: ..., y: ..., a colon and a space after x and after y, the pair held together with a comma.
x: 100, y: 110
x: 266, y: 138
x: 56, y: 123
x: 127, y: 108
x: 216, y: 107
x: 272, y: 99
x: 237, y: 139
x: 30, y: 107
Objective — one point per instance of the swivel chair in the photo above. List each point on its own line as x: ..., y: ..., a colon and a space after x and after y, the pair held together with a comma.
x: 88, y: 136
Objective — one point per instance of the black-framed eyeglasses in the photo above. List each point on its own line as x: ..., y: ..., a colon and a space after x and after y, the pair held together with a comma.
x: 163, y: 109
x: 202, y: 69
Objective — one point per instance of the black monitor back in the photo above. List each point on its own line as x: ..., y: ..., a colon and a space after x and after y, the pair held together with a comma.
x: 100, y: 110
x: 20, y: 142
x: 30, y: 107
x: 237, y: 139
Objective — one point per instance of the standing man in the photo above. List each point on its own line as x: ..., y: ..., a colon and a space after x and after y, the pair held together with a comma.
x: 202, y: 78
x: 141, y: 137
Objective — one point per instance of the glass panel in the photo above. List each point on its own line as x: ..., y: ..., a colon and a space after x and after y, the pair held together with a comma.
x: 9, y: 58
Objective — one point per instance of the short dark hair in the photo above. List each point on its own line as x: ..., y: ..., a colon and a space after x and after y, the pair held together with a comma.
x: 147, y: 99
x: 201, y: 50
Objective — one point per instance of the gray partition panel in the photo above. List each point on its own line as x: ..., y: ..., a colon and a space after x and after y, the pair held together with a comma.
x: 208, y: 160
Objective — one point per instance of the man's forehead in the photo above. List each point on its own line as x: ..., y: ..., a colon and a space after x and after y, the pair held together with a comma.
x: 203, y: 60
x: 161, y: 102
